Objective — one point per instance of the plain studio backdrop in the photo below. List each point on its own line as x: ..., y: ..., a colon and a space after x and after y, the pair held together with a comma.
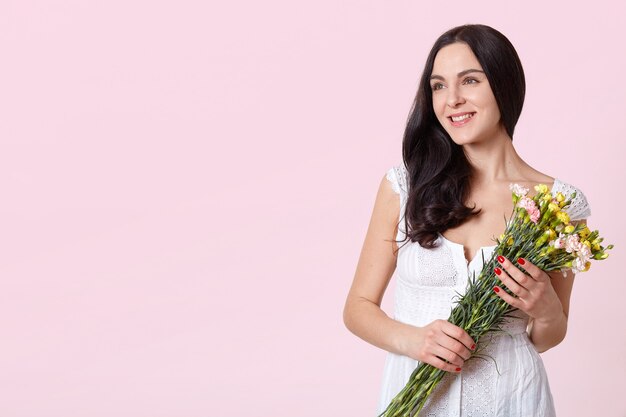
x: 186, y: 187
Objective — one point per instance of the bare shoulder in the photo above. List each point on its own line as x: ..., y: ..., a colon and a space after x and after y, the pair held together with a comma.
x: 578, y: 210
x: 533, y: 177
x: 387, y: 189
x: 377, y: 260
x: 385, y: 215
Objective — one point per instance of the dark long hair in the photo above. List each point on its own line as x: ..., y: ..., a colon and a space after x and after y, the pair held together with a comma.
x: 439, y: 172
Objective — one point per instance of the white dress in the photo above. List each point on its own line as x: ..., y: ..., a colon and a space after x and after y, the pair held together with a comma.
x: 426, y: 282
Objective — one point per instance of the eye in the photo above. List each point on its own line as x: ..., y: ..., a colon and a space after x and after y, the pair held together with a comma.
x: 470, y: 81
x: 437, y: 86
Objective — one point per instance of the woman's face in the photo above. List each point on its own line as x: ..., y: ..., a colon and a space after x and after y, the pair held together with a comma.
x: 462, y: 98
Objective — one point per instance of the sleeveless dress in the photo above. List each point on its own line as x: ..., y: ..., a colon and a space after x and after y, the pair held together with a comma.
x: 514, y: 383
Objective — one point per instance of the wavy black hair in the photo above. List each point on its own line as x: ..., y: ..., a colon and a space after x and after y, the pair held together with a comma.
x: 439, y: 172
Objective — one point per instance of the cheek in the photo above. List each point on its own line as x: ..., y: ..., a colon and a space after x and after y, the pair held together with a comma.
x: 487, y: 101
x: 439, y: 106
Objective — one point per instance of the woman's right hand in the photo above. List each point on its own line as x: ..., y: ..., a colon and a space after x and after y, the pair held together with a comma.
x: 438, y: 342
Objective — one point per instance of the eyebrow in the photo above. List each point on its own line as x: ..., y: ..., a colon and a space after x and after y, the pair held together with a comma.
x: 460, y: 74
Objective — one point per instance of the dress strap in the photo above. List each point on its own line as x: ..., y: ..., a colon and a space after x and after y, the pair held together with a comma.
x: 397, y: 176
x: 579, y: 208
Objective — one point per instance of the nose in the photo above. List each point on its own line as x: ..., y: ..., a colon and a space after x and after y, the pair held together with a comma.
x: 454, y: 97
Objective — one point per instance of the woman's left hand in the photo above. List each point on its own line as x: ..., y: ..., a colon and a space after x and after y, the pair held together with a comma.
x: 535, y: 294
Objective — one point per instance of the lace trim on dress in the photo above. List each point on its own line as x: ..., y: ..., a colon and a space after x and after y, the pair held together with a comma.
x: 397, y: 176
x: 579, y: 208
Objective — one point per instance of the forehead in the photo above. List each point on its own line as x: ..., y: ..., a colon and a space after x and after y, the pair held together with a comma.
x: 454, y: 58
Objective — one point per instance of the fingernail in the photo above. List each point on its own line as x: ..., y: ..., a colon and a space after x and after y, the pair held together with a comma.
x: 498, y: 271
x: 473, y: 347
x: 496, y: 289
x: 458, y: 369
x: 501, y: 259
x: 521, y: 261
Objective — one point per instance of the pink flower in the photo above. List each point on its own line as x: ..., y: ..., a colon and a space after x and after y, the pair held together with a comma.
x: 559, y: 242
x: 531, y: 208
x: 572, y: 244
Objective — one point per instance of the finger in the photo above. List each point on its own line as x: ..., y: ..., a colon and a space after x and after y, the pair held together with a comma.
x: 533, y: 270
x: 455, y: 346
x: 457, y: 333
x: 510, y: 283
x: 519, y: 277
x: 443, y: 365
x: 447, y: 355
x: 512, y: 301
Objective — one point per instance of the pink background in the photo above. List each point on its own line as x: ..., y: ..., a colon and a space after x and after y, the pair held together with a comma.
x: 186, y: 188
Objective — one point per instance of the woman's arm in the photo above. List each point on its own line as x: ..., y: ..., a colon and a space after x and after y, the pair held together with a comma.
x: 545, y: 297
x: 547, y: 332
x: 362, y: 314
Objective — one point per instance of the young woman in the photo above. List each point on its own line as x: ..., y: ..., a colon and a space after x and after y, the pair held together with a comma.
x: 436, y: 216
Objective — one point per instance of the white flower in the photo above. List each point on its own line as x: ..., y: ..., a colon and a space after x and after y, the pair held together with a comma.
x: 518, y: 190
x: 578, y: 266
x: 584, y: 253
x: 559, y: 242
x: 572, y: 244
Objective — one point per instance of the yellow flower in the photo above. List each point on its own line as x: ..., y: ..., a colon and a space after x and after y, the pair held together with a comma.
x: 569, y: 229
x: 541, y: 188
x: 542, y: 239
x: 503, y: 238
x: 560, y: 197
x: 547, y: 197
x: 587, y: 243
x: 553, y: 207
x: 584, y: 232
x: 563, y: 217
x: 552, y: 234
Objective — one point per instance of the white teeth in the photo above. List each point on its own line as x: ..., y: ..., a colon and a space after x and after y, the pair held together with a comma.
x: 465, y: 116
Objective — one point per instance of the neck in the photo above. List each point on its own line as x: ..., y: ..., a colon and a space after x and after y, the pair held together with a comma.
x: 494, y: 160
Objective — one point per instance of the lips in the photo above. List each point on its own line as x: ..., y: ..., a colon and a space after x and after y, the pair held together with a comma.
x: 460, y: 119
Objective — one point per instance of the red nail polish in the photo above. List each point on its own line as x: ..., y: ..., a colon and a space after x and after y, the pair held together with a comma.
x: 473, y: 347
x: 496, y: 289
x: 498, y: 271
x: 500, y: 259
x: 458, y: 369
x: 521, y: 261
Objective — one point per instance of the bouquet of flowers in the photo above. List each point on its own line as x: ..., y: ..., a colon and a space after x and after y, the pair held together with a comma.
x: 539, y: 230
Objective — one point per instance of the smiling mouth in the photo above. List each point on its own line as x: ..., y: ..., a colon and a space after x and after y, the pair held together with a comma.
x: 456, y: 119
